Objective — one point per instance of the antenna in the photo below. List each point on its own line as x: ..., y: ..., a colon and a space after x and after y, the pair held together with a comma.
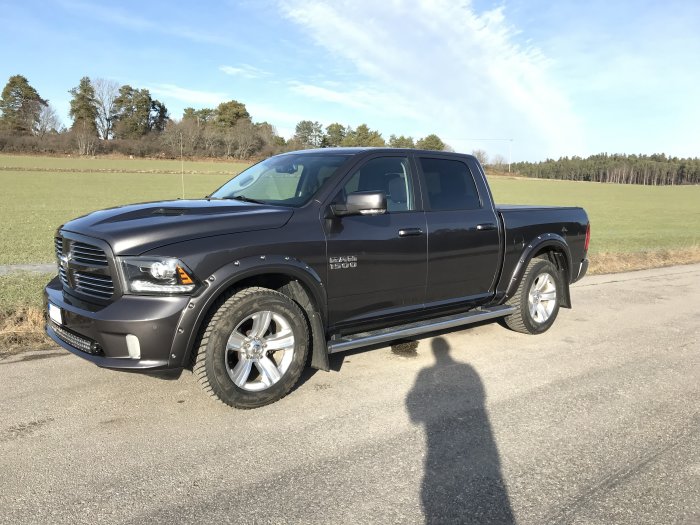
x: 182, y: 168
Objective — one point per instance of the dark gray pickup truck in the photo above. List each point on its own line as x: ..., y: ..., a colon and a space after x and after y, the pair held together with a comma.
x: 302, y: 255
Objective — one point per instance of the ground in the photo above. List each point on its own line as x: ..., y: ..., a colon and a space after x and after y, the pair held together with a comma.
x: 593, y: 422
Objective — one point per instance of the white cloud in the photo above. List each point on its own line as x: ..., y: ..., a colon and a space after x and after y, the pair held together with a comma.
x: 443, y: 66
x: 189, y: 96
x: 284, y: 121
x: 364, y: 98
x: 245, y: 71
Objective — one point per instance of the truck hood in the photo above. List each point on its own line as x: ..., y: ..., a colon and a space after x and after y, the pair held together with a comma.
x: 137, y: 228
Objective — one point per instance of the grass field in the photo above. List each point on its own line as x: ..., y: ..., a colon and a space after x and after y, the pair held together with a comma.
x: 633, y: 226
x: 35, y: 200
x: 118, y: 164
x: 624, y: 218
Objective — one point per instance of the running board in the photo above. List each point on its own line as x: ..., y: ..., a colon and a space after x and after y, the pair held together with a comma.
x: 350, y: 342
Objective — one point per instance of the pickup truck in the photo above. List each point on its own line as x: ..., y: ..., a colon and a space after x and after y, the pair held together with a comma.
x: 302, y: 255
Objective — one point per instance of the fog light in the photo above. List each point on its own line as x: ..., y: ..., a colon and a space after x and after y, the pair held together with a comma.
x: 134, y: 347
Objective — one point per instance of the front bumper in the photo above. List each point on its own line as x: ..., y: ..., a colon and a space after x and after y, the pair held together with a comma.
x: 99, y: 333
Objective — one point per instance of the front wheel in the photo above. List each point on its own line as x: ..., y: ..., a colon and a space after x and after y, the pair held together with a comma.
x: 253, y: 350
x: 536, y: 299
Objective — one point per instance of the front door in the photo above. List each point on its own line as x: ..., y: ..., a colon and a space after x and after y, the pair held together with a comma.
x: 377, y: 263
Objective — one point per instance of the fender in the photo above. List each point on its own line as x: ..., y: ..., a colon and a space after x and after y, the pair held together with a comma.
x: 226, y: 276
x: 536, y: 245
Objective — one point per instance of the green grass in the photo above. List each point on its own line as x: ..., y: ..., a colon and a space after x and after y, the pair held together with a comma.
x: 33, y: 204
x: 22, y: 289
x: 624, y: 218
x: 136, y: 165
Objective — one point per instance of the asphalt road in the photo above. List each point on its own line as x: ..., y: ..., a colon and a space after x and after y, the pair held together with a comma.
x: 595, y: 422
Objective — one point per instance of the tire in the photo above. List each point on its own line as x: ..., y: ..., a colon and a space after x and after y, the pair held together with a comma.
x: 253, y: 349
x: 537, y: 298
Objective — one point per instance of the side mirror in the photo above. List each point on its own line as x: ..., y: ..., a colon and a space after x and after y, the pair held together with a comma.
x: 361, y: 203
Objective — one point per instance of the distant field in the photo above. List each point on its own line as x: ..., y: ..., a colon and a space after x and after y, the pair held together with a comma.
x: 34, y: 203
x: 89, y: 164
x: 625, y: 219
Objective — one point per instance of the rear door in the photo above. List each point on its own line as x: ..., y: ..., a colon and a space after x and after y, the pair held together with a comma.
x: 463, y: 232
x: 377, y: 263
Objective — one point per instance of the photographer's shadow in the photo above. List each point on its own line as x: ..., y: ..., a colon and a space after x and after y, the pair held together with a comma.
x: 462, y: 482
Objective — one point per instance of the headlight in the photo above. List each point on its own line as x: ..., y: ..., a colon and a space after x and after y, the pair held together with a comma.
x: 156, y: 275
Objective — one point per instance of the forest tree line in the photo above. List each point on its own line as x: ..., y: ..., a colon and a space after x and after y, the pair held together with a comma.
x: 110, y: 118
x: 650, y: 170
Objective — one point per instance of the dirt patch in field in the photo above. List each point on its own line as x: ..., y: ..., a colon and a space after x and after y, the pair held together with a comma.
x: 601, y: 263
x: 21, y: 330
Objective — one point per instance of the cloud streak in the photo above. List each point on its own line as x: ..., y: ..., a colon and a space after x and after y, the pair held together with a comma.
x: 245, y: 71
x: 446, y: 67
x: 189, y: 96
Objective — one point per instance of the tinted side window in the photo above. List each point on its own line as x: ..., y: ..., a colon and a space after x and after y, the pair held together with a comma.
x: 450, y: 185
x: 388, y: 174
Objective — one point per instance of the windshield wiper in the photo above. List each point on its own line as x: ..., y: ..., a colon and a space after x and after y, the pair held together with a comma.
x: 243, y: 198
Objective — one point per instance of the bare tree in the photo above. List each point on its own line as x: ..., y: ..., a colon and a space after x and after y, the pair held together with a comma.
x: 499, y: 162
x: 247, y: 139
x: 211, y: 138
x: 481, y: 156
x: 85, y: 137
x: 106, y: 91
x: 48, y: 121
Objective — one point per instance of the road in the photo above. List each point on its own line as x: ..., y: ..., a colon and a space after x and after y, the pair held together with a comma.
x: 595, y: 422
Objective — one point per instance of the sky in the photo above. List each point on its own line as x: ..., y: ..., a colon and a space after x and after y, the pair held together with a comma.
x: 524, y: 79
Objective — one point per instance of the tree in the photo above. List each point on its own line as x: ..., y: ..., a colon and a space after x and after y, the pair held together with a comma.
x: 136, y: 113
x: 48, y: 121
x: 20, y: 105
x: 335, y: 133
x: 83, y: 111
x: 201, y: 116
x: 363, y: 136
x: 83, y: 106
x: 228, y: 114
x: 246, y: 138
x: 106, y: 92
x: 431, y: 142
x: 158, y: 116
x: 499, y: 161
x: 309, y: 134
x: 481, y: 156
x: 401, y: 142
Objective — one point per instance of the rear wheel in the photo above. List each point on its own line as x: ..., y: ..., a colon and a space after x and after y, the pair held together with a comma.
x: 253, y: 349
x: 537, y: 298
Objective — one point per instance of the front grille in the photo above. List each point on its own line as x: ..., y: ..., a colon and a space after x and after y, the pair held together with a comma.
x: 58, y: 243
x: 88, y: 254
x: 96, y: 285
x: 76, y: 341
x: 84, y: 268
x: 63, y: 274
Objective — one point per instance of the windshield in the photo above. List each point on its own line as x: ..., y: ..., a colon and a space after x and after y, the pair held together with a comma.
x: 289, y: 180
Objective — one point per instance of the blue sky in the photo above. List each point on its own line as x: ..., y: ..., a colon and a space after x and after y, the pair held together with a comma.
x: 558, y: 78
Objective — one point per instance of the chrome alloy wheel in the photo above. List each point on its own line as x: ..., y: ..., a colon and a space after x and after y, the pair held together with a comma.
x: 542, y: 297
x: 259, y: 351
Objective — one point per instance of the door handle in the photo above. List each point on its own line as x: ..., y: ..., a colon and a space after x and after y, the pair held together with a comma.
x: 486, y: 226
x: 407, y: 232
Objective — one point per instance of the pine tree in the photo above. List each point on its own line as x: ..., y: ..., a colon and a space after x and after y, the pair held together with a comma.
x: 21, y: 107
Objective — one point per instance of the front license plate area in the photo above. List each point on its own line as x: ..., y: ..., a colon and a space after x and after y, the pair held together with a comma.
x: 55, y: 314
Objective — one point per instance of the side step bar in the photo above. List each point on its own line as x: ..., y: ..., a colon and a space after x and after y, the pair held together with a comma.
x: 350, y: 342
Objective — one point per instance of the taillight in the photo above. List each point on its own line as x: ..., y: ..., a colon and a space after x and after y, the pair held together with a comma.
x: 588, y: 237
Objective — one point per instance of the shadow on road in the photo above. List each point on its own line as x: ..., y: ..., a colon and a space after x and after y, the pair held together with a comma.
x: 462, y: 482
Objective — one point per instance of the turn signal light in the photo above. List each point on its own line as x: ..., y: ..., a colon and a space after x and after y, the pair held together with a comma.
x: 184, y: 278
